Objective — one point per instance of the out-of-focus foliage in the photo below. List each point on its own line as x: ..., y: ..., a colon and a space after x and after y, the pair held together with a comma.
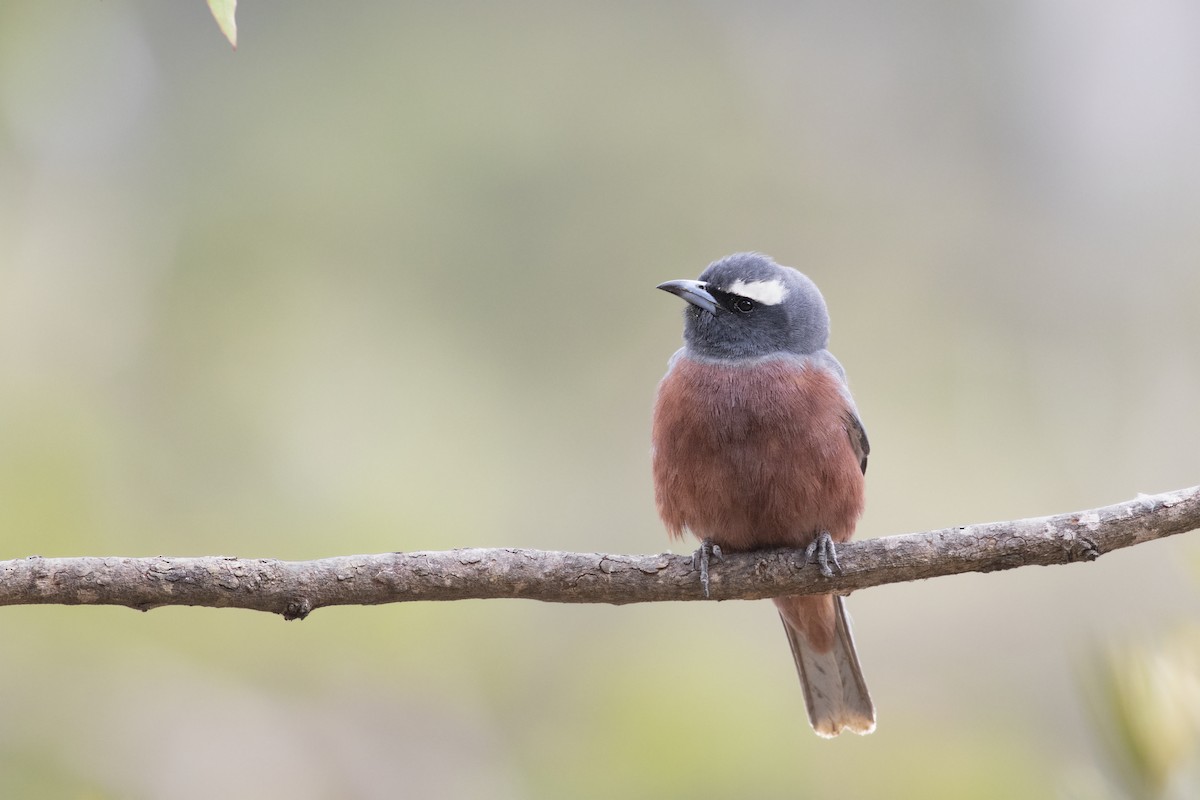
x: 1147, y: 699
x: 384, y: 281
x: 225, y: 13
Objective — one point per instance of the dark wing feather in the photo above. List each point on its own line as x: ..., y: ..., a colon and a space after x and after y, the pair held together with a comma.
x: 858, y: 439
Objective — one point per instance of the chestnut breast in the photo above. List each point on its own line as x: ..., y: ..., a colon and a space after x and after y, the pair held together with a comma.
x: 755, y: 455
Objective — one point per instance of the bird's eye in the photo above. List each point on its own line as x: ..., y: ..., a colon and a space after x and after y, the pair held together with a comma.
x: 743, y: 305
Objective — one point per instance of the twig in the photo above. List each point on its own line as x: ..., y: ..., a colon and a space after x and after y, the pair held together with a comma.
x: 295, y: 588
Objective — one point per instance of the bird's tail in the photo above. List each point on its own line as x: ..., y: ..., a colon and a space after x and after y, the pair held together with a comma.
x: 834, y: 690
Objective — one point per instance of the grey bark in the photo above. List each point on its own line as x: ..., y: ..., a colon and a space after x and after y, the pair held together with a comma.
x: 296, y: 588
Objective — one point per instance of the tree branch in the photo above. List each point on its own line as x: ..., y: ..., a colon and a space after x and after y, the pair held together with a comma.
x: 295, y: 588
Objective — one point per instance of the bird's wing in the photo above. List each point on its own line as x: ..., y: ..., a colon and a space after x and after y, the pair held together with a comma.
x: 854, y: 426
x: 858, y: 438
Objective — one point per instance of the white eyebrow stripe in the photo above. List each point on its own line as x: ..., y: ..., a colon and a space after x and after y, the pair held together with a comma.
x: 769, y: 293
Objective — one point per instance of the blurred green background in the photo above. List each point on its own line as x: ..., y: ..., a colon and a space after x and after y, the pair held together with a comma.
x: 383, y: 279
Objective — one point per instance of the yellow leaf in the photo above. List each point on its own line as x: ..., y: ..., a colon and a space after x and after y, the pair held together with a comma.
x: 223, y: 12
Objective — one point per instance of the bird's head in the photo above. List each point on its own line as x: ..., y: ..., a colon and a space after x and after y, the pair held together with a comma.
x: 747, y: 306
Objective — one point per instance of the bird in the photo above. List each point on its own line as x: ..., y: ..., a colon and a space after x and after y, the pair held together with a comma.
x: 757, y: 444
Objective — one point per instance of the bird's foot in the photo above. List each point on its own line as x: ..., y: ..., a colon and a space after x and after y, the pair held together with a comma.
x: 701, y: 557
x: 824, y: 553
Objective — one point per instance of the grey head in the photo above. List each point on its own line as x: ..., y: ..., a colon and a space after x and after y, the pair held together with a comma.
x: 747, y: 306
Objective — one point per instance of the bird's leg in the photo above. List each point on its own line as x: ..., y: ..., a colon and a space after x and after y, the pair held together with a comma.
x: 701, y: 557
x: 824, y: 553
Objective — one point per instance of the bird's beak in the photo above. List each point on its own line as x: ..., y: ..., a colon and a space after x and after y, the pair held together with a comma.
x: 694, y: 292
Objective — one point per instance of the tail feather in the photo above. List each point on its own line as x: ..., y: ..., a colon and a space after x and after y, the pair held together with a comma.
x: 834, y: 690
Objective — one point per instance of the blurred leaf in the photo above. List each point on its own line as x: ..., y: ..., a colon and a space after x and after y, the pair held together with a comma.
x: 223, y: 12
x: 1148, y: 698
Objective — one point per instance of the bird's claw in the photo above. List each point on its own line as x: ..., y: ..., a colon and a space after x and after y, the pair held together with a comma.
x: 701, y: 557
x: 822, y: 551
